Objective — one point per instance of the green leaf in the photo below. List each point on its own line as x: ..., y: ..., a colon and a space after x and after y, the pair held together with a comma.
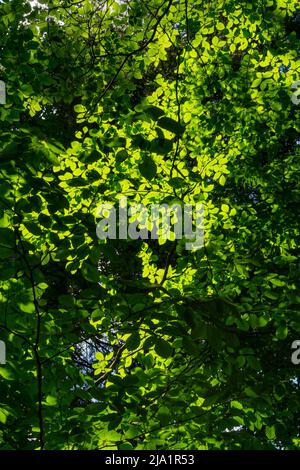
x: 164, y: 415
x: 154, y: 112
x: 3, y: 415
x: 171, y: 125
x: 250, y: 392
x: 212, y: 399
x: 51, y: 401
x: 133, y: 341
x: 222, y: 180
x: 282, y: 332
x: 90, y: 272
x: 7, y: 237
x: 270, y: 432
x: 161, y: 146
x: 6, y: 373
x: 79, y: 108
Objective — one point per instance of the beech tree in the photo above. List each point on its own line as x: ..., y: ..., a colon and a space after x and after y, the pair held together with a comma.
x: 143, y: 344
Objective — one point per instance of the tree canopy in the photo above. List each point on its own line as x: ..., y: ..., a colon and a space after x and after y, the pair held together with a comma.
x: 142, y: 344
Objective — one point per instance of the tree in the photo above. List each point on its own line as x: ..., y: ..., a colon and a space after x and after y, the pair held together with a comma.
x: 142, y: 344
